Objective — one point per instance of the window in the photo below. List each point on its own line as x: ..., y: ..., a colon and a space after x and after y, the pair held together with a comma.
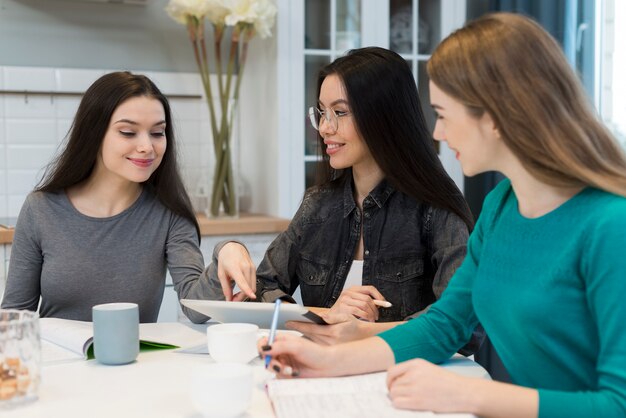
x: 612, y: 62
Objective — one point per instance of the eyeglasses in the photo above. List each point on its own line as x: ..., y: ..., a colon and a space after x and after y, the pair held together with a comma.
x: 330, y: 115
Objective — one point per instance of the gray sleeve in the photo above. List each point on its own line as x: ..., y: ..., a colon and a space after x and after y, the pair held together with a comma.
x: 186, y: 266
x: 23, y: 287
x: 447, y: 242
x: 211, y: 270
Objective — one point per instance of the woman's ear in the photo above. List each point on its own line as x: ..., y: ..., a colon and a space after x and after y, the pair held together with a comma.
x: 489, y: 126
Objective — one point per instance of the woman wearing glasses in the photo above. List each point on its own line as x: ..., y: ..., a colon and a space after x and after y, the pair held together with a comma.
x: 387, y: 224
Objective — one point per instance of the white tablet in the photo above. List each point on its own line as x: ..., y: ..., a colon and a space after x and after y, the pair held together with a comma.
x: 258, y: 313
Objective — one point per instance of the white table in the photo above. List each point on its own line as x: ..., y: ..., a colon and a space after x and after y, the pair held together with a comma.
x: 154, y: 386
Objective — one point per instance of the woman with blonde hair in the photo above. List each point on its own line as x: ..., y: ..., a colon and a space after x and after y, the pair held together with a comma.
x: 545, y: 267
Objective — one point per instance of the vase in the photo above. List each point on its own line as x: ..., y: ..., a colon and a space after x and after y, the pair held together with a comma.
x: 224, y: 181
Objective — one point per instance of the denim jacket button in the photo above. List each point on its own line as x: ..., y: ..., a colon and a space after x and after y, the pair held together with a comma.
x: 367, y: 214
x: 367, y: 252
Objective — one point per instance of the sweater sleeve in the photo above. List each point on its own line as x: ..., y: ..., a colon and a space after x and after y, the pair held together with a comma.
x: 604, y: 270
x: 23, y: 287
x: 186, y: 266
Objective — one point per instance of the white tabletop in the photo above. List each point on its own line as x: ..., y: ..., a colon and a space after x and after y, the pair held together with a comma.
x: 156, y: 385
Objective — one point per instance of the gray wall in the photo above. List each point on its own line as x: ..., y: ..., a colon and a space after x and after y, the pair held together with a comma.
x: 69, y: 33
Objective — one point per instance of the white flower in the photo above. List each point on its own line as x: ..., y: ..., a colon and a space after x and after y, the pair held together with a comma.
x: 180, y: 9
x: 265, y: 15
x: 241, y: 11
x: 217, y: 12
x: 260, y: 13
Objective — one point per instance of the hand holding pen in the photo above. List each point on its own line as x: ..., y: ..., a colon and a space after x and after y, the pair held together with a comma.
x: 272, y: 335
x: 362, y: 302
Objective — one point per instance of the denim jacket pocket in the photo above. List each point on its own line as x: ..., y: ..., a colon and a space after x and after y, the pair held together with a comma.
x: 313, y: 277
x: 400, y: 270
x: 401, y: 281
x: 312, y: 273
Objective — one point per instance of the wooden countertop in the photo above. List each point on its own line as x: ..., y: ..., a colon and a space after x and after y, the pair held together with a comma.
x: 246, y: 223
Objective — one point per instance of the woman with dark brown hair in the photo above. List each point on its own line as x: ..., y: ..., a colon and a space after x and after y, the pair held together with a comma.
x: 545, y: 267
x: 111, y: 213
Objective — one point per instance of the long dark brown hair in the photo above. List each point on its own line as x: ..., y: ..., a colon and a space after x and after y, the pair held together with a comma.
x: 385, y: 106
x: 77, y: 160
x: 508, y: 66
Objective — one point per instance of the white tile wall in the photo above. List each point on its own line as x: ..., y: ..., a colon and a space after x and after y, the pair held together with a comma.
x: 29, y: 107
x: 183, y: 109
x: 32, y: 127
x: 75, y: 80
x: 14, y: 204
x: 29, y: 78
x: 66, y: 107
x: 21, y: 182
x: 176, y: 83
x: 30, y: 131
x: 3, y: 178
x: 29, y: 157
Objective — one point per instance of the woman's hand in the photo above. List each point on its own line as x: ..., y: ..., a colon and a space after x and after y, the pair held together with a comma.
x: 358, y: 301
x: 297, y: 357
x: 423, y: 386
x: 235, y: 265
x: 342, y: 328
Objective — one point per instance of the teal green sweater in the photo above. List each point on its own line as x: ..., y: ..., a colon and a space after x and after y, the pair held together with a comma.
x: 549, y: 292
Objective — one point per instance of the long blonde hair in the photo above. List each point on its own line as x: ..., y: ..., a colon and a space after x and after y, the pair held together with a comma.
x: 508, y: 66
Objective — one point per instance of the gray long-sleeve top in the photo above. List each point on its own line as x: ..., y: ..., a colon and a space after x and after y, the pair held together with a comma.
x: 73, y: 261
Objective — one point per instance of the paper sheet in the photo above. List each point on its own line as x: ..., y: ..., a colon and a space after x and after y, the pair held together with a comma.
x: 347, y: 397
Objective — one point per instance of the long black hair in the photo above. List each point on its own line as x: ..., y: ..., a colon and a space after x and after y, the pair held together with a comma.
x: 78, y: 159
x: 388, y: 116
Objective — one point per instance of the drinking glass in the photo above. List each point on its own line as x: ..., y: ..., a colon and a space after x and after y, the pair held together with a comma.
x: 20, y: 357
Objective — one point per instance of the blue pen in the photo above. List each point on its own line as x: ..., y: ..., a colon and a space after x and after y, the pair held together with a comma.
x: 270, y: 340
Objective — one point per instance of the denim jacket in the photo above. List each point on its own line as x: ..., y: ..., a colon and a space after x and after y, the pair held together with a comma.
x: 411, y: 249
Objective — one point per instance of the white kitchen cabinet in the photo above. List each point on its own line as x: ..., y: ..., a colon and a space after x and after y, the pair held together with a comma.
x: 312, y: 33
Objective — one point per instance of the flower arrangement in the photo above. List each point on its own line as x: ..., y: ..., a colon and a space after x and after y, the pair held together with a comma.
x: 245, y: 19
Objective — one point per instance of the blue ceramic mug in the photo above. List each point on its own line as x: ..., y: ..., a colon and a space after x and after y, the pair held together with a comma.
x: 116, y: 332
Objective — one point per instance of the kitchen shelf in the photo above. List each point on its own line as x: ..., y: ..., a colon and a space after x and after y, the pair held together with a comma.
x: 245, y: 224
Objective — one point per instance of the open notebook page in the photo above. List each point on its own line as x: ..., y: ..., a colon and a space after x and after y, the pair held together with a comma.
x: 348, y: 397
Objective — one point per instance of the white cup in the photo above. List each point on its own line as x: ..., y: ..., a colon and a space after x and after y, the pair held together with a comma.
x: 232, y: 342
x: 222, y: 389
